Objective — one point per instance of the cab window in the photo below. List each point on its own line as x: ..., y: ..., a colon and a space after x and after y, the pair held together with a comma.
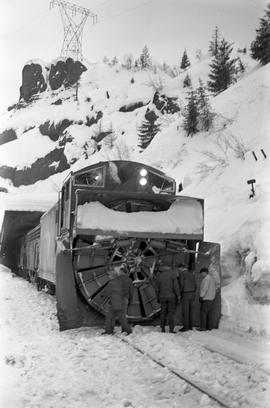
x: 94, y: 177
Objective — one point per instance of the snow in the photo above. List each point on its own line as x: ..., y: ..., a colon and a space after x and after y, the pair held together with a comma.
x: 42, y: 367
x: 214, y: 165
x: 241, y: 312
x: 183, y: 216
x: 80, y: 140
x: 11, y: 153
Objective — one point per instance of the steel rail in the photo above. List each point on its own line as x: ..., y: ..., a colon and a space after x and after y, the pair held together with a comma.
x: 183, y: 376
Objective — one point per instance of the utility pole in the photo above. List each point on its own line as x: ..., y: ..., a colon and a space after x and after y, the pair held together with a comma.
x: 73, y: 30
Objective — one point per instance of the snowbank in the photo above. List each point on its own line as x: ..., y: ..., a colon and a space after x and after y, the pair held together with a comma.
x: 241, y: 313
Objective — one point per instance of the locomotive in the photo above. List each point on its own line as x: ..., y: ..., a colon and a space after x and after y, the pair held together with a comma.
x: 109, y: 213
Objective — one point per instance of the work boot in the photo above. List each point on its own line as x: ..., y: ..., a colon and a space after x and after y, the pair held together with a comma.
x: 183, y: 329
x: 162, y: 329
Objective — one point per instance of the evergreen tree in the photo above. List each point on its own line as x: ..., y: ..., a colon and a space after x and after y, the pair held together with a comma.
x: 128, y: 61
x: 109, y: 140
x: 260, y: 47
x: 137, y: 64
x: 240, y: 68
x: 198, y: 54
x: 114, y: 61
x: 223, y: 69
x: 214, y: 43
x: 185, y: 63
x: 191, y: 114
x: 165, y: 67
x: 148, y: 130
x: 145, y: 58
x: 203, y: 106
x: 187, y: 81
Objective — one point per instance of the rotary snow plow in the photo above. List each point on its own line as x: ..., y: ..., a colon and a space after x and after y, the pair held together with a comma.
x: 123, y: 213
x: 110, y: 213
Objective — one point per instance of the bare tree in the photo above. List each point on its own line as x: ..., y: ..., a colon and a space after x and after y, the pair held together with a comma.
x: 227, y: 146
x: 128, y: 61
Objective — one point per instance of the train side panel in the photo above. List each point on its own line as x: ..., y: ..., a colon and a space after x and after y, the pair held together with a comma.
x: 48, y: 233
x: 28, y: 259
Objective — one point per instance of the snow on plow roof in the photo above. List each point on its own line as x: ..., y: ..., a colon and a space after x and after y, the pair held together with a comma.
x: 184, y: 219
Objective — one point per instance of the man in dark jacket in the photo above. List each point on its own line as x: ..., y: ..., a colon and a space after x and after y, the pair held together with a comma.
x: 168, y: 293
x: 118, y: 291
x: 128, y: 282
x: 188, y: 291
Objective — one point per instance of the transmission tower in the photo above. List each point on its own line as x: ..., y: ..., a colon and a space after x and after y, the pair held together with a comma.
x: 73, y: 30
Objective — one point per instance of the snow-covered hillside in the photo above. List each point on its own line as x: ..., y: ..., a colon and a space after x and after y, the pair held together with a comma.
x: 70, y: 128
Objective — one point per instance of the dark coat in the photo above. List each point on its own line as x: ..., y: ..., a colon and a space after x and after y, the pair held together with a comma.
x: 129, y: 284
x: 167, y: 286
x: 187, y: 282
x: 117, y: 290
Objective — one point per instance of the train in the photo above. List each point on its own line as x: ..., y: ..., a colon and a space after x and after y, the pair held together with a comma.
x: 109, y: 213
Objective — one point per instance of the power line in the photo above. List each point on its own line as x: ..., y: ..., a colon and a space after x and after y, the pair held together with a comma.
x: 126, y: 11
x: 34, y: 20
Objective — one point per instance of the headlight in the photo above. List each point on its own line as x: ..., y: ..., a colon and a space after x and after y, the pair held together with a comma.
x: 143, y: 181
x: 143, y: 172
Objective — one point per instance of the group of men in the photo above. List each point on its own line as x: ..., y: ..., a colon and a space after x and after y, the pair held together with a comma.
x: 172, y: 286
x: 179, y: 286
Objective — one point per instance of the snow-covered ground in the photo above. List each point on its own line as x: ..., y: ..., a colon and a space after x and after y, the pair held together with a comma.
x: 41, y: 367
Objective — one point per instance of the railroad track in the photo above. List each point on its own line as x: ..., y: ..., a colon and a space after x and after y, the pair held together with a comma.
x: 182, y: 375
x: 234, y: 355
x: 228, y: 395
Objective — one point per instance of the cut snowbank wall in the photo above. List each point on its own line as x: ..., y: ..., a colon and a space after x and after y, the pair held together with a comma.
x: 241, y: 313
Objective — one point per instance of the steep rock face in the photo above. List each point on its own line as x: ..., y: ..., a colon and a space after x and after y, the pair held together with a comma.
x: 131, y: 107
x: 37, y: 77
x: 33, y: 81
x: 54, y: 162
x: 7, y: 136
x: 65, y: 73
x: 165, y: 104
x: 54, y: 131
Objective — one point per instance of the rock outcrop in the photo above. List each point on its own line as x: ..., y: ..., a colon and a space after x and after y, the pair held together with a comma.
x: 165, y: 104
x: 37, y: 77
x: 65, y: 73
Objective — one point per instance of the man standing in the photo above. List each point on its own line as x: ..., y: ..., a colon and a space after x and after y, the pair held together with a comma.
x: 188, y: 291
x: 118, y: 292
x: 207, y: 296
x: 168, y: 293
x: 129, y: 284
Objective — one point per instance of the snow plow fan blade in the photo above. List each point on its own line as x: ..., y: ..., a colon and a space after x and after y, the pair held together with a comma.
x: 91, y: 269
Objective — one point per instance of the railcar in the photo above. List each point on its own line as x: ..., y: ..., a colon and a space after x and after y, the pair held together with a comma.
x: 109, y: 213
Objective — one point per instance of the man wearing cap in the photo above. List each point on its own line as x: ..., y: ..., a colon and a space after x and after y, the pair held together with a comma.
x: 207, y: 296
x: 168, y: 293
x: 188, y: 291
x: 118, y: 292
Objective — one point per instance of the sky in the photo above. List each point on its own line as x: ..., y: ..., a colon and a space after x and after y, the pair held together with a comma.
x: 30, y: 29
